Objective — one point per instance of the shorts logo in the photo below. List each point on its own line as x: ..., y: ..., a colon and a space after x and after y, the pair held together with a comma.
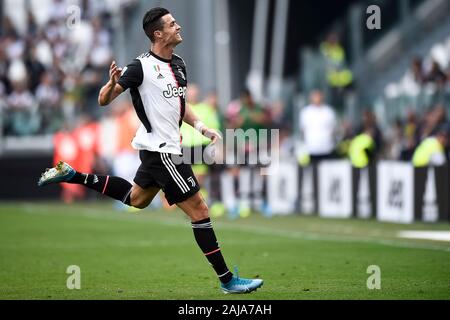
x: 191, y: 180
x: 174, y: 92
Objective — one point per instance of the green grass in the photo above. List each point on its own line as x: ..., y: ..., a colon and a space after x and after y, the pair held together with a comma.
x: 153, y: 255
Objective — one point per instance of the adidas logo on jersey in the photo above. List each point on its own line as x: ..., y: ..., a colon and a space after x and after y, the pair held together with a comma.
x: 174, y: 92
x: 160, y: 76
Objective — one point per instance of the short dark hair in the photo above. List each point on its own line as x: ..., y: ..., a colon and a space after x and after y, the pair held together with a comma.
x: 152, y: 21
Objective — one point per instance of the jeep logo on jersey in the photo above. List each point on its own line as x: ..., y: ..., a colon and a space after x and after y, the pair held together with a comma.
x: 174, y: 92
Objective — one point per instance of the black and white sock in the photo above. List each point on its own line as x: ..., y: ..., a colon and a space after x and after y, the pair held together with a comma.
x: 207, y: 241
x: 114, y: 187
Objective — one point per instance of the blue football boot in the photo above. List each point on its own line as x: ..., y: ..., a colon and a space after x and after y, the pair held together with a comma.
x: 62, y: 172
x: 241, y: 285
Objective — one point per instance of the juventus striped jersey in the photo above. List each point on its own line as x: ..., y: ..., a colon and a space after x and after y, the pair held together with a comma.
x: 158, y: 91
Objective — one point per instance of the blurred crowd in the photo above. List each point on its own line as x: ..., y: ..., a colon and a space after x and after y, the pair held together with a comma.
x: 52, y: 64
x: 419, y: 101
x: 420, y: 138
x: 51, y: 73
x: 427, y: 74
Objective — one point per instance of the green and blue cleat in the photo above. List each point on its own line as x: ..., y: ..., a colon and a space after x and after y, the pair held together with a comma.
x: 62, y: 172
x: 241, y: 285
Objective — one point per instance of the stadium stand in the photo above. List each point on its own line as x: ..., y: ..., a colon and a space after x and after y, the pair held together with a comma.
x: 50, y: 72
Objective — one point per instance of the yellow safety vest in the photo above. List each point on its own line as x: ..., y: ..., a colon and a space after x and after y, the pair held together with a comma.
x: 425, y: 150
x: 208, y: 115
x: 304, y: 159
x: 357, y: 150
x: 334, y: 52
x: 340, y: 78
x: 337, y: 74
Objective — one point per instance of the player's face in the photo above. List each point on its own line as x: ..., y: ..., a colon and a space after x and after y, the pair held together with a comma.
x: 171, y: 30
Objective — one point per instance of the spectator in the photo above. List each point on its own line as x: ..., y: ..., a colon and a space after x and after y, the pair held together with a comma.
x: 366, y: 145
x: 101, y: 54
x: 194, y: 143
x: 339, y: 77
x: 431, y: 151
x: 215, y: 170
x: 15, y: 47
x: 248, y: 116
x: 4, y: 67
x: 433, y: 118
x: 435, y: 74
x: 414, y: 77
x: 35, y: 68
x: 369, y: 125
x: 43, y: 51
x: 439, y: 117
x: 416, y: 70
x: 22, y: 118
x: 278, y: 114
x: 318, y: 125
x: 409, y: 136
x: 425, y: 125
x: 49, y: 99
x: 251, y: 115
x: 32, y: 25
x: 447, y: 90
x: 2, y: 103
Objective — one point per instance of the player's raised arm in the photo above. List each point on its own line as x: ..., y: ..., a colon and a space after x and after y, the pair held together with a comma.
x: 111, y: 89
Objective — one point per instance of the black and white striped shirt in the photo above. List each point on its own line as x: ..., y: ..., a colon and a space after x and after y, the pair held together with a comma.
x: 158, y: 90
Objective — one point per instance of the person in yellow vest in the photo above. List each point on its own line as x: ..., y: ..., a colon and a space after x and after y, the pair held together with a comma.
x: 364, y: 146
x: 337, y: 74
x: 361, y: 150
x: 431, y: 151
x: 193, y: 142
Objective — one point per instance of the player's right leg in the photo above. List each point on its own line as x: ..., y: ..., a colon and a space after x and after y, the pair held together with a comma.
x: 114, y: 187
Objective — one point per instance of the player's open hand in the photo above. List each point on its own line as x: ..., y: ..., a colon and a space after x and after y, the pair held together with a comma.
x: 114, y: 72
x: 212, y: 134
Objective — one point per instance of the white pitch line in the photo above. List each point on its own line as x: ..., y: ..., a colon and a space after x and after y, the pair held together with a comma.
x: 426, y: 235
x: 94, y: 214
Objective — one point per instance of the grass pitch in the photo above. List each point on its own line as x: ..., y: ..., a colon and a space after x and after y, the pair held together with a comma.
x: 153, y: 255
